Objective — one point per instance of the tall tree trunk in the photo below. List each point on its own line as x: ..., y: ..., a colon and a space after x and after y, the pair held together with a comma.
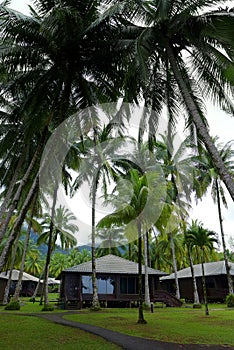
x: 175, y: 266
x: 148, y: 247
x: 7, y: 289
x: 18, y: 223
x: 200, y: 126
x: 141, y: 319
x: 95, y: 301
x: 38, y: 284
x: 195, y: 292
x: 12, y: 184
x: 204, y: 285
x: 50, y: 247
x: 147, y: 293
x: 229, y: 278
x: 129, y: 251
x: 26, y: 243
x: 22, y: 184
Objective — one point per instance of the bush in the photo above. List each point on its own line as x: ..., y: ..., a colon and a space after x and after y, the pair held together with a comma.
x: 13, y: 305
x: 197, y: 306
x: 145, y: 306
x: 47, y: 308
x: 230, y: 300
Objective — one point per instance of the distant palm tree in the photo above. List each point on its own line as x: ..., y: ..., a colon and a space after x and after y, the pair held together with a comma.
x: 59, y: 225
x: 203, y: 239
x: 188, y: 244
x: 207, y: 176
x: 135, y: 213
x: 111, y: 240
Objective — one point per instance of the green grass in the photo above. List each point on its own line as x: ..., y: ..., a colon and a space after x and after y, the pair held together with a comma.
x: 182, y: 325
x: 28, y: 332
x: 28, y: 306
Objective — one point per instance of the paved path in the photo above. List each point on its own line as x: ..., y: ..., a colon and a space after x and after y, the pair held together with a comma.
x: 128, y: 342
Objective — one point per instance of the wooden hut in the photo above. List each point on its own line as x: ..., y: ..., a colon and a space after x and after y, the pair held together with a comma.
x: 216, y: 281
x: 29, y: 283
x: 117, y: 282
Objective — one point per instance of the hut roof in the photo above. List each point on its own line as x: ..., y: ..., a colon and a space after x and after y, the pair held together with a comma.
x: 113, y: 264
x: 210, y: 268
x: 15, y: 276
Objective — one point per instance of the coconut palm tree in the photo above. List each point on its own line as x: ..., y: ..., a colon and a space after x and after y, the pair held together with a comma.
x: 207, y: 177
x: 139, y: 197
x: 189, y: 249
x: 98, y: 167
x: 111, y: 240
x: 203, y: 239
x: 54, y: 50
x: 57, y: 225
x: 129, y: 214
x: 179, y: 55
x: 32, y: 224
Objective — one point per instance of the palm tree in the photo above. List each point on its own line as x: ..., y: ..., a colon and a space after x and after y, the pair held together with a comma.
x: 98, y: 167
x: 59, y: 224
x: 179, y: 55
x: 207, y: 176
x: 111, y: 240
x: 42, y: 56
x: 189, y: 248
x: 58, y: 263
x: 129, y: 215
x: 139, y: 201
x: 203, y: 239
x: 32, y: 224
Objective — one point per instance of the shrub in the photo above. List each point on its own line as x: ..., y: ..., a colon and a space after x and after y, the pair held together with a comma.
x: 95, y: 308
x: 230, y: 300
x: 47, y: 308
x: 13, y: 305
x: 197, y: 306
x: 145, y: 306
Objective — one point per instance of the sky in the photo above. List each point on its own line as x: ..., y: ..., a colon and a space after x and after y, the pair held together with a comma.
x: 220, y: 124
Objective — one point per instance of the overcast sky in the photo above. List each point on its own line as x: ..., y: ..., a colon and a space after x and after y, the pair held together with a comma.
x: 221, y: 125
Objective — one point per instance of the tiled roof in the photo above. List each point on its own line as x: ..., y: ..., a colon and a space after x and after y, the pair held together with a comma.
x: 113, y: 264
x: 211, y: 269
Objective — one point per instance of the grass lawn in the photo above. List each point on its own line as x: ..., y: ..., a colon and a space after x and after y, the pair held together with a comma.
x: 23, y: 332
x: 182, y: 325
x: 29, y: 307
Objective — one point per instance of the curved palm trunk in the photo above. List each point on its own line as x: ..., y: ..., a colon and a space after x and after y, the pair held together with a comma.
x: 147, y: 293
x: 13, y: 181
x: 95, y: 302
x: 26, y: 243
x: 129, y: 251
x: 195, y: 292
x: 38, y: 285
x: 229, y: 278
x: 50, y: 247
x: 200, y: 126
x: 141, y: 319
x: 18, y: 223
x: 22, y: 184
x: 204, y: 285
x: 175, y: 266
x: 7, y: 289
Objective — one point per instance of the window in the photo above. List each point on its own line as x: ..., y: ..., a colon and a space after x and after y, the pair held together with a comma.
x: 87, y: 287
x: 128, y: 285
x: 105, y: 285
